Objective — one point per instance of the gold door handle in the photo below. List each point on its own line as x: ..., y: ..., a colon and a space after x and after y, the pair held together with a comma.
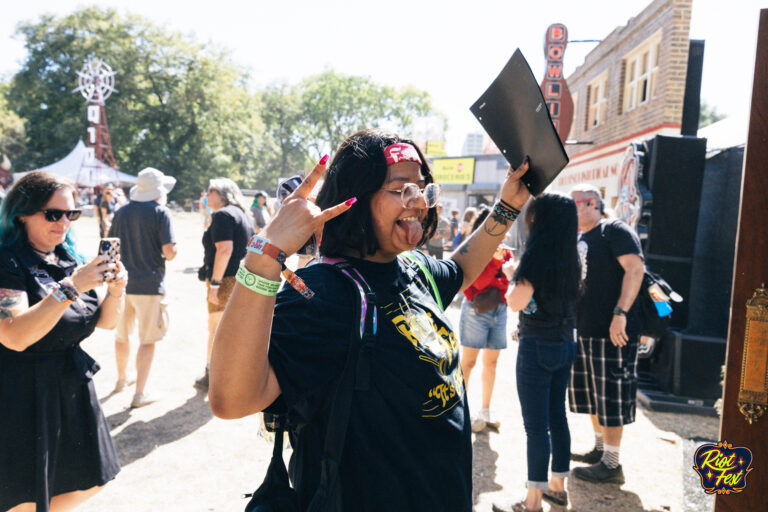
x: 753, y: 390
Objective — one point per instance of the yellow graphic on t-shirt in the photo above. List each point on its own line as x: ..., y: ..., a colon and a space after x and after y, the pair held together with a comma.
x: 436, y: 345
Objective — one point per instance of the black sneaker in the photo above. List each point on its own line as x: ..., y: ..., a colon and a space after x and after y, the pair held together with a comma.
x: 600, y: 474
x: 591, y: 457
x: 202, y: 382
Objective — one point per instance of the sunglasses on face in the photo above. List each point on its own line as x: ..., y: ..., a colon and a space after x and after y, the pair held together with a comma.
x: 54, y: 215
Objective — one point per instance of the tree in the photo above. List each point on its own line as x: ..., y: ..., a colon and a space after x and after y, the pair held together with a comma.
x: 181, y: 106
x: 12, y: 136
x: 337, y: 105
x: 284, y: 150
x: 304, y: 121
x: 709, y: 115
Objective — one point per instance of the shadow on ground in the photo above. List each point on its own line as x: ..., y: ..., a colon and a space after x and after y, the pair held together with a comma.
x: 139, y: 439
x: 483, y: 467
x: 585, y: 496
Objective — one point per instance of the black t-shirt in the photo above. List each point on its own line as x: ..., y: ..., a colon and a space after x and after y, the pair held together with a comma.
x: 408, y: 443
x: 600, y: 249
x: 22, y: 269
x: 227, y: 223
x: 548, y: 317
x: 143, y: 228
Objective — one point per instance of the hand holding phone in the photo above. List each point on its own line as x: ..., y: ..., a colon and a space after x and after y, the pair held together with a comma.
x: 110, y: 248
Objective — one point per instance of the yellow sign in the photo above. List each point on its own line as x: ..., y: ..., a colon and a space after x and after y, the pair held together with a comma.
x: 454, y: 171
x: 435, y: 148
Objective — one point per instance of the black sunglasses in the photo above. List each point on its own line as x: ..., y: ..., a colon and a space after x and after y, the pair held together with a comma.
x: 54, y: 215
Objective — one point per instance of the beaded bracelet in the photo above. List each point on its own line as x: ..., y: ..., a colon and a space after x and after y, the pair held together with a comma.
x: 71, y: 284
x: 261, y: 245
x: 505, y: 210
x: 68, y: 289
x: 59, y: 294
x: 509, y: 206
x: 256, y: 283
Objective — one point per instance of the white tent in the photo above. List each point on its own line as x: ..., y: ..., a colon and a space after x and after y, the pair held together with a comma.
x: 77, y: 168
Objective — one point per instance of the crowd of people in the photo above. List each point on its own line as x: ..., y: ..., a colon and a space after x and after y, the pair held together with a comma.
x: 282, y: 346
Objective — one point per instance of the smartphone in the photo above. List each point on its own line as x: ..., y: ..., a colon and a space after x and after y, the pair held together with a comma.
x: 110, y: 247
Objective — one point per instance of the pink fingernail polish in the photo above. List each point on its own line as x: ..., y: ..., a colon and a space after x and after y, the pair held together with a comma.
x: 350, y: 202
x: 324, y: 160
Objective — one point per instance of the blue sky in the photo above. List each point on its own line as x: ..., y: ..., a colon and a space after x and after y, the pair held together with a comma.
x: 451, y: 49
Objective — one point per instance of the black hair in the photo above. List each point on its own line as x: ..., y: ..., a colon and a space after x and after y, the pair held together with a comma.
x: 484, y: 211
x: 551, y: 260
x: 358, y: 169
x: 27, y: 197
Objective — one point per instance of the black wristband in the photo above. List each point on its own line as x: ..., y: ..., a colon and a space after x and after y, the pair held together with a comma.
x: 215, y: 282
x: 618, y: 311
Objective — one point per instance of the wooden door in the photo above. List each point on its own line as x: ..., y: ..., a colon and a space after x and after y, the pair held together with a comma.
x: 750, y: 271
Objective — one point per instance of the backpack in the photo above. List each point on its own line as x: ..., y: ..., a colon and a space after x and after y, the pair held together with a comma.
x: 275, y: 493
x: 652, y: 304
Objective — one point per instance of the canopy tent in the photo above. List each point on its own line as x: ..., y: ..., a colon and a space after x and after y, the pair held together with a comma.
x: 76, y: 167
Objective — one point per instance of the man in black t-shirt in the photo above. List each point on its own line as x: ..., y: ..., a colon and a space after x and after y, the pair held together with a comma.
x: 604, y: 378
x: 146, y: 243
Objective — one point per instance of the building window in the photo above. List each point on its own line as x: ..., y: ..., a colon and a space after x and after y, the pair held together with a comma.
x: 641, y: 73
x: 596, y: 101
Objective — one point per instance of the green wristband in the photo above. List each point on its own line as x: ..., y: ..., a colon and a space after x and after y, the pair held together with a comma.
x: 256, y: 283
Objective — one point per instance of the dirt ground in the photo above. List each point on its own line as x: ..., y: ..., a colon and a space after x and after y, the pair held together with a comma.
x: 176, y: 456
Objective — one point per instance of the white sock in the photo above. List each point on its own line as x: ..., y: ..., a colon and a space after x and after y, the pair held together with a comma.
x: 484, y: 414
x: 611, y: 456
x: 599, y: 440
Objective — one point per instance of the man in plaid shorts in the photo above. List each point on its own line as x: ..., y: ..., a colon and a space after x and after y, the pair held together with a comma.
x: 604, y: 377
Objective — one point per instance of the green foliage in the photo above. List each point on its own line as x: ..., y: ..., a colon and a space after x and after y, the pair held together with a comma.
x: 181, y: 107
x: 184, y: 107
x: 284, y: 146
x: 708, y: 115
x: 12, y: 137
x: 338, y: 105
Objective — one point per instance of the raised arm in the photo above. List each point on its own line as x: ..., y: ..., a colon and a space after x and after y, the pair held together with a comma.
x: 21, y: 326
x: 242, y: 381
x: 476, y: 251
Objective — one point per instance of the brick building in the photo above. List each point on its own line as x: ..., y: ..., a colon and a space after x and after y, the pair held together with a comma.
x: 629, y: 88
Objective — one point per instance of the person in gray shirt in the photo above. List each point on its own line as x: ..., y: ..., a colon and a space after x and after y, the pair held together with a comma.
x: 146, y: 243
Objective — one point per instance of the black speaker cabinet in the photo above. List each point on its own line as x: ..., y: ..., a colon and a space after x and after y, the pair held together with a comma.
x: 674, y: 177
x: 689, y: 365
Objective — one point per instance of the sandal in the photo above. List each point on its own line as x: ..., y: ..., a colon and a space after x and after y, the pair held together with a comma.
x: 556, y: 497
x: 520, y: 507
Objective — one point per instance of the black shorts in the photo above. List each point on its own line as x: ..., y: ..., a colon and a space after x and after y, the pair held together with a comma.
x: 604, y: 381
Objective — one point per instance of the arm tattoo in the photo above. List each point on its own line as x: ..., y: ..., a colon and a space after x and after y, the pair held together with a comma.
x: 496, y: 225
x: 464, y: 249
x: 10, y: 300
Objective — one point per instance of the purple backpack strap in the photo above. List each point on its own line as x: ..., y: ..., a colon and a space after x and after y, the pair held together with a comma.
x: 362, y: 287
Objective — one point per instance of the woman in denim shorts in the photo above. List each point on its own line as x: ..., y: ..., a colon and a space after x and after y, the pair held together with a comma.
x: 545, y: 287
x: 483, y: 326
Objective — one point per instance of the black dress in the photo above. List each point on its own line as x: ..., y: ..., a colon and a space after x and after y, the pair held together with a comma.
x: 54, y: 438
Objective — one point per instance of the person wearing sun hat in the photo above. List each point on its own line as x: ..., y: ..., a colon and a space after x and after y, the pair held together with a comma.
x: 147, y: 241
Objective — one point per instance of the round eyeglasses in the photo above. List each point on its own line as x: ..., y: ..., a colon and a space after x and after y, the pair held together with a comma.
x: 410, y: 194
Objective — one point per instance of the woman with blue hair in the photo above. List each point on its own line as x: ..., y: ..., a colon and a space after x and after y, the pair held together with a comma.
x: 55, y: 447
